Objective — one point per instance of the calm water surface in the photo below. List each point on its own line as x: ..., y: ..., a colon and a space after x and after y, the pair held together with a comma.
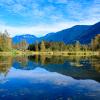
x: 49, y: 78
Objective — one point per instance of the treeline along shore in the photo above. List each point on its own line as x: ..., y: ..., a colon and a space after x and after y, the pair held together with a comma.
x: 7, y: 47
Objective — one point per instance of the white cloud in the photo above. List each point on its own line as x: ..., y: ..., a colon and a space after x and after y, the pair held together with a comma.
x: 48, y: 18
x: 38, y: 30
x: 18, y: 8
x: 43, y: 29
x: 59, y: 1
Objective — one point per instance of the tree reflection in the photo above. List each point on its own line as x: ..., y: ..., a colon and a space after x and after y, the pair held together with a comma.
x: 95, y: 63
x: 80, y: 62
x: 36, y: 58
x: 76, y: 61
x: 23, y: 60
x: 45, y: 59
x: 5, y: 64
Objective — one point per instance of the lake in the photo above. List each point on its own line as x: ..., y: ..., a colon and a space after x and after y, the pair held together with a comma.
x: 49, y: 78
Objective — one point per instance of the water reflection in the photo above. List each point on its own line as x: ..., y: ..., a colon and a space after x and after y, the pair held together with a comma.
x: 74, y: 66
x: 49, y: 78
x: 95, y: 62
x: 40, y: 84
x: 76, y: 61
x: 5, y: 64
x: 22, y: 60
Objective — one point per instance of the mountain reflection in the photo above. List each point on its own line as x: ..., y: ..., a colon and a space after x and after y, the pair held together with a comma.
x: 40, y: 84
x: 74, y: 66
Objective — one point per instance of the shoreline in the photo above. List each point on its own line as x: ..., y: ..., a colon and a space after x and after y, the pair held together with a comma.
x: 52, y: 53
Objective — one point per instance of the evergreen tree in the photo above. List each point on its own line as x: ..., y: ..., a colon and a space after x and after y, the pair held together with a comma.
x: 36, y: 47
x: 43, y: 46
x: 5, y: 41
x: 23, y: 45
x: 77, y: 46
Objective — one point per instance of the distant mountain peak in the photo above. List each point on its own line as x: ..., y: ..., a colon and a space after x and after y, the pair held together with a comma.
x: 82, y: 33
x: 28, y: 37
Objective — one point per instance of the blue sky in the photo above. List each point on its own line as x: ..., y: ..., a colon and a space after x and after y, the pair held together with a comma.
x: 39, y: 17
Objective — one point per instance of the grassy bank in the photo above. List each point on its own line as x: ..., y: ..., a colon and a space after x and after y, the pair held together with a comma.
x: 56, y: 53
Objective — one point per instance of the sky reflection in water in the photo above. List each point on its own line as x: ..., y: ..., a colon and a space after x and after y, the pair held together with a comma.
x: 41, y: 84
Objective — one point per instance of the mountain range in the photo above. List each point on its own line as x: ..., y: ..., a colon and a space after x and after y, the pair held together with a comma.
x: 82, y: 33
x: 29, y: 38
